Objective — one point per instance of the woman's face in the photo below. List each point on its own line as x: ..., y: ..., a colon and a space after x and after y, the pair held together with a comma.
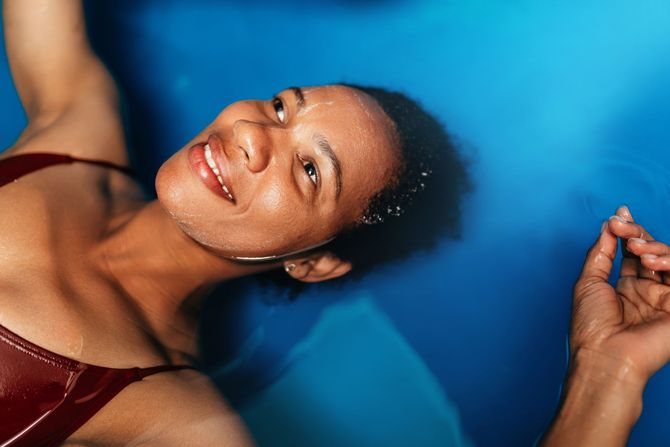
x: 297, y: 169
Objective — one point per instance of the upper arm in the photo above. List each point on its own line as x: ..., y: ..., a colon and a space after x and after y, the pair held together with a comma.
x: 48, y: 52
x: 204, y: 419
x: 193, y: 413
x: 70, y: 99
x: 219, y: 430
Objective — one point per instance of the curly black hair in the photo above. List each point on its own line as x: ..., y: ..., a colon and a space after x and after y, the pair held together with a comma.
x: 414, y: 212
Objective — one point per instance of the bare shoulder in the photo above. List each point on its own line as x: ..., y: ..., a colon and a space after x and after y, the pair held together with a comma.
x: 167, y: 409
x: 200, y: 416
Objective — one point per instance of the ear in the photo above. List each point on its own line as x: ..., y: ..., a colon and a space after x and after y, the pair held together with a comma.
x: 317, y: 267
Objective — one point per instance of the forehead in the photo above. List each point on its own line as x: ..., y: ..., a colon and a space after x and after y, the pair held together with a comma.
x: 346, y: 106
x: 358, y: 130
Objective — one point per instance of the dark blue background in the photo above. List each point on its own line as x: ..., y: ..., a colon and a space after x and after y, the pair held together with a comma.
x: 564, y: 106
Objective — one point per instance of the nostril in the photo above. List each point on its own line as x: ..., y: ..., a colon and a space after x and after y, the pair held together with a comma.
x: 246, y: 154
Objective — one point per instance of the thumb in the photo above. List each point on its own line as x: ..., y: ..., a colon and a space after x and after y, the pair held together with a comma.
x: 599, y: 260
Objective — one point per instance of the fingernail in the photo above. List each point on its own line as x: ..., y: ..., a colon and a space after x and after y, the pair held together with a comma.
x: 603, y: 226
x: 618, y: 218
x: 627, y: 213
x: 638, y: 240
x: 649, y: 256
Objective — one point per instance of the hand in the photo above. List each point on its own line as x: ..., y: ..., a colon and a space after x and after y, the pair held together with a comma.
x: 629, y: 325
x: 618, y: 339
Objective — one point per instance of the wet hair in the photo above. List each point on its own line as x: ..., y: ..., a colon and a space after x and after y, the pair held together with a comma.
x: 415, y: 211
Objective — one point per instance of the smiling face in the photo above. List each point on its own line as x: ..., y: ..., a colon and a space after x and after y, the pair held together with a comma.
x: 296, y: 170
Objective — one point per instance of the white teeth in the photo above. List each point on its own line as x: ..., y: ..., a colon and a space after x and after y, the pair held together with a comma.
x: 212, y: 166
x: 208, y: 156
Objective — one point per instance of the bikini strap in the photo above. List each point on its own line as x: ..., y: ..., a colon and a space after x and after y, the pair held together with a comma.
x: 19, y: 165
x: 106, y: 164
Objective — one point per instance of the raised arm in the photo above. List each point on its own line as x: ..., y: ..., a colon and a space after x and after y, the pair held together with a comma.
x: 66, y: 91
x: 48, y: 53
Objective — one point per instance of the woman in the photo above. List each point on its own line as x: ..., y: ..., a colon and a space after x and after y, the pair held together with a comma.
x: 92, y: 274
x: 97, y: 282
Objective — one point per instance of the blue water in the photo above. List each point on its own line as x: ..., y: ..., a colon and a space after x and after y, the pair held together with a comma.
x: 564, y: 108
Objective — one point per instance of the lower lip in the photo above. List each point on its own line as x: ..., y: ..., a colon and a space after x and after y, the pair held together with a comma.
x: 199, y: 166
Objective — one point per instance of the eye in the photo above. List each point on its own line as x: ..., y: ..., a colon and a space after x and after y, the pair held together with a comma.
x: 278, y: 105
x: 310, y: 169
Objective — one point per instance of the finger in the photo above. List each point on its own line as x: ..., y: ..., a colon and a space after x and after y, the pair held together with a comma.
x: 639, y: 247
x: 599, y: 260
x: 646, y: 273
x: 628, y: 230
x: 630, y: 267
x: 625, y: 213
x: 654, y: 262
x: 630, y: 263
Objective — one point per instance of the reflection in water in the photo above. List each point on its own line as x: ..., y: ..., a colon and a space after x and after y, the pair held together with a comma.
x: 372, y: 389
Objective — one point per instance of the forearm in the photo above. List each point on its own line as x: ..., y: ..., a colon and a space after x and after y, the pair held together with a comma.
x: 601, y: 405
x: 48, y: 51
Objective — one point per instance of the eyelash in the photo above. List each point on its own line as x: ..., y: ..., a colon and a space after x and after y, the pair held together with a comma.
x: 278, y: 105
x: 306, y: 163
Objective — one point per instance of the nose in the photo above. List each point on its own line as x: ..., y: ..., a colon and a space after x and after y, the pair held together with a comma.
x: 254, y: 139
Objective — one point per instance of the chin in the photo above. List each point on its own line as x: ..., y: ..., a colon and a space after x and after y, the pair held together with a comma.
x: 169, y: 194
x: 185, y: 206
x: 176, y: 199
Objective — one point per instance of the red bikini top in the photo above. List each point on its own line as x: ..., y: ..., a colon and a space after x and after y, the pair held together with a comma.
x: 44, y: 396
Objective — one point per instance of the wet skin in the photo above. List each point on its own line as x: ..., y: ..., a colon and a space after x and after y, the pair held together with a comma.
x: 273, y: 158
x: 92, y: 271
x: 124, y: 298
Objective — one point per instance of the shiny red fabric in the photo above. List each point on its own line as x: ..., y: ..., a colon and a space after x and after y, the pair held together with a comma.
x: 44, y: 396
x: 12, y: 168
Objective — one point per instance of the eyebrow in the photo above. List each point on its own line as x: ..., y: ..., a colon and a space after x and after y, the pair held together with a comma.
x: 299, y: 96
x: 323, y: 144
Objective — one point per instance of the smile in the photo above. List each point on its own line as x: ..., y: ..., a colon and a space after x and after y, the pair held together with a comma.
x: 215, y: 170
x: 207, y: 162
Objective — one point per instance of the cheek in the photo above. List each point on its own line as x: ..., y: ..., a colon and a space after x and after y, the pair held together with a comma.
x: 279, y: 214
x: 273, y: 200
x: 279, y: 220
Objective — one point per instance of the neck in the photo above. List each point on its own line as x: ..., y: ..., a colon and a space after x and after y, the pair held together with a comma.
x: 163, y: 272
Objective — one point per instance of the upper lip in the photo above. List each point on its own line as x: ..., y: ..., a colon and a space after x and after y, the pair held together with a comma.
x: 218, y: 154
